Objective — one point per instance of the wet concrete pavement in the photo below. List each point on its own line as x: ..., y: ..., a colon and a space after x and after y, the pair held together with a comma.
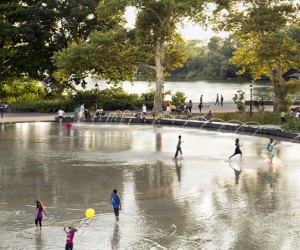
x: 196, y: 202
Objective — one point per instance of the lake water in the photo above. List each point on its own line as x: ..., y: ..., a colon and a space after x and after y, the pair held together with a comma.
x: 193, y: 89
x: 199, y: 201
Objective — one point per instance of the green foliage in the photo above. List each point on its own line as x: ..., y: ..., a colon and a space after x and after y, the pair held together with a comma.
x: 262, y: 118
x: 239, y: 100
x: 31, y: 31
x: 147, y: 98
x: 178, y: 99
x: 113, y: 99
x: 287, y: 103
x: 21, y: 88
x: 267, y: 49
x: 115, y: 53
x: 208, y: 61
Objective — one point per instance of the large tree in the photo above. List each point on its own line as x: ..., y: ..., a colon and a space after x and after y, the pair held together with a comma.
x: 152, y: 47
x: 30, y: 32
x: 267, y: 49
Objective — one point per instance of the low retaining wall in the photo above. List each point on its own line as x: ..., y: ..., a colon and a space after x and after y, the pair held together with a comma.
x: 198, y: 124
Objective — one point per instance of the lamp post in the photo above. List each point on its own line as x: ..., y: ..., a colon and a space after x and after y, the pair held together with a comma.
x: 251, y: 88
x: 96, y: 85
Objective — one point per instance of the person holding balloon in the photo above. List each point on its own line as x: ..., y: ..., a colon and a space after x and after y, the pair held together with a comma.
x: 116, y: 204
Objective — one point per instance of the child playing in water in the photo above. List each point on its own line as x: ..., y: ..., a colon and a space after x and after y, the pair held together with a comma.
x: 40, y: 211
x: 70, y: 237
x: 270, y: 146
x: 68, y: 127
x: 178, y: 148
x: 116, y: 203
x: 237, y: 149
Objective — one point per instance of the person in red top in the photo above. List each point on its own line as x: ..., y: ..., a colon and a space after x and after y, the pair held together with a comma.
x: 68, y: 127
x: 168, y: 108
x: 70, y: 237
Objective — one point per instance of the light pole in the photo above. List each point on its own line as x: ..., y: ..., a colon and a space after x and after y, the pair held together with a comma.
x: 96, y: 85
x: 251, y: 88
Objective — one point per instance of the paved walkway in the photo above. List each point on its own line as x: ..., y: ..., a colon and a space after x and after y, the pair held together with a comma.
x: 37, y: 117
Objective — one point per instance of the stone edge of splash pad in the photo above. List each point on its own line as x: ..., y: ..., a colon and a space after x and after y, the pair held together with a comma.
x: 201, y: 124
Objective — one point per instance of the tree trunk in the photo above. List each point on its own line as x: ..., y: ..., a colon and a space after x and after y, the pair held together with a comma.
x: 157, y: 107
x: 279, y: 92
x: 280, y: 95
x: 277, y: 103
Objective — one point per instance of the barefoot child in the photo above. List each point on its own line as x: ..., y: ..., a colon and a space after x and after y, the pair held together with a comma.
x: 178, y: 148
x: 68, y: 127
x: 40, y: 211
x: 70, y: 236
x: 116, y: 203
x: 237, y: 149
x: 270, y: 146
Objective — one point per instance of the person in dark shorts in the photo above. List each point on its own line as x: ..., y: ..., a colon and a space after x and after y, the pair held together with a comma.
x: 237, y: 148
x: 116, y: 203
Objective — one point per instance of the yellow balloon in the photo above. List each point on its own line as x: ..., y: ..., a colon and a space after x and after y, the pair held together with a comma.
x: 89, y: 213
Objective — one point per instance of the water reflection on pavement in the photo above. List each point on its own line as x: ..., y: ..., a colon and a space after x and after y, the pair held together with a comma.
x: 200, y: 201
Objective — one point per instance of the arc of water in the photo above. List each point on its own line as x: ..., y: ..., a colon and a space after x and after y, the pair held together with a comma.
x: 246, y: 123
x: 204, y: 124
x: 208, y: 121
x: 230, y: 121
x: 157, y: 118
x: 217, y: 119
x: 115, y: 114
x: 194, y: 118
x: 109, y: 114
x: 126, y: 111
x: 267, y: 126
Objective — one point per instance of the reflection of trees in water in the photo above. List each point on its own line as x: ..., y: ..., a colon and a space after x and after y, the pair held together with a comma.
x: 242, y: 211
x: 158, y: 142
x: 165, y: 213
x: 106, y: 139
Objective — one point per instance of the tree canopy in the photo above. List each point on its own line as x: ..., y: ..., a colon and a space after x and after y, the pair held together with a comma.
x: 153, y: 46
x: 267, y: 49
x: 32, y: 30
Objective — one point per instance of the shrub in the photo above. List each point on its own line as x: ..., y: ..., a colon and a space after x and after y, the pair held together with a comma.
x: 239, y: 100
x: 178, y: 99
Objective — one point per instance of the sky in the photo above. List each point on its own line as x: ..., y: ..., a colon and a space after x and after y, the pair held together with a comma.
x: 189, y: 30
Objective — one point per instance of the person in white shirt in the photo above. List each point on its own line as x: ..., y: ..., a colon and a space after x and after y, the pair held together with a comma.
x: 81, y: 110
x: 297, y: 115
x: 144, y: 109
x: 60, y: 114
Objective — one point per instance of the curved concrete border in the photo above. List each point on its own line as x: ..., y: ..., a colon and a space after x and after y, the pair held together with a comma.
x: 198, y: 124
